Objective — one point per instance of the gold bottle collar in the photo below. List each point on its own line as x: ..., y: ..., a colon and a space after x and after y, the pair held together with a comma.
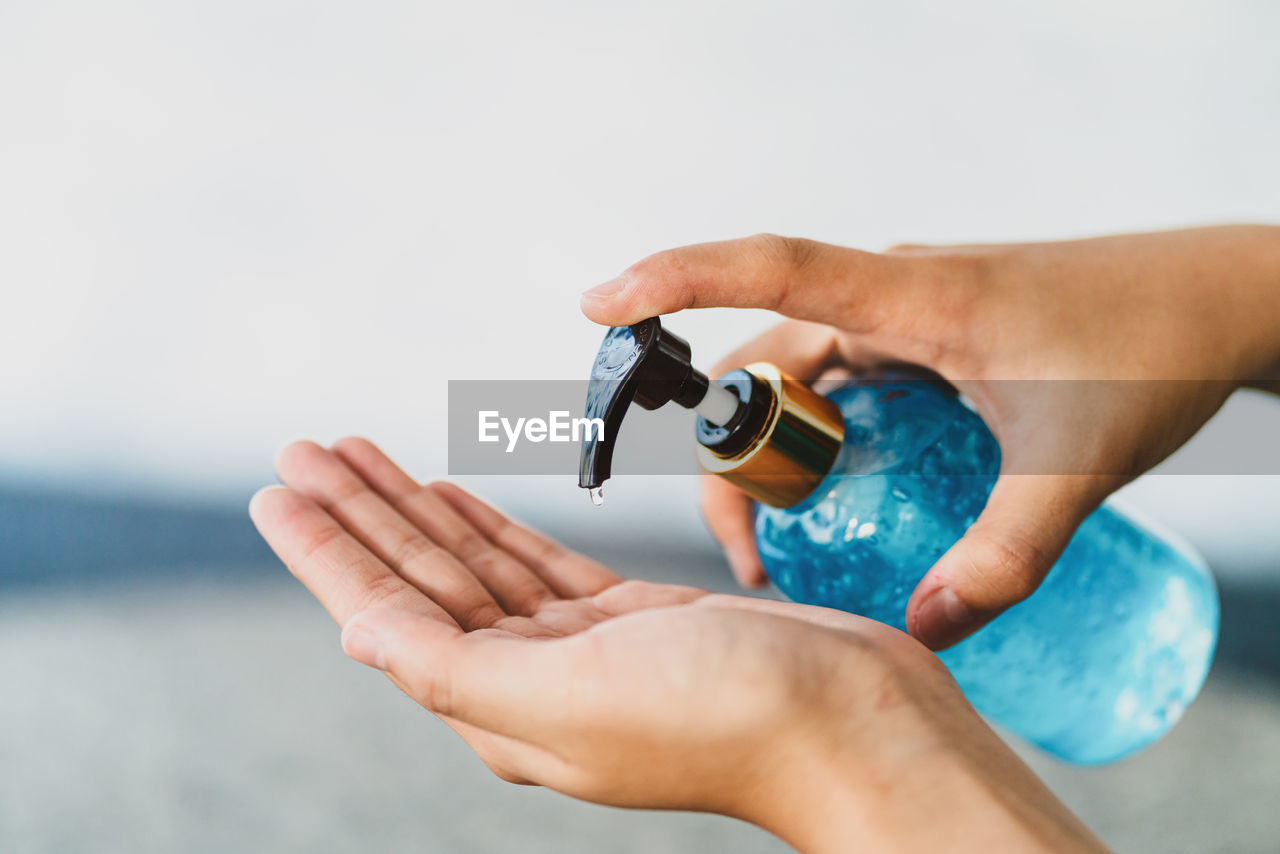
x: 794, y: 450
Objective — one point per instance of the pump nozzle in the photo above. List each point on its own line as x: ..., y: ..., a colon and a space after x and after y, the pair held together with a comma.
x: 648, y: 365
x: 759, y: 429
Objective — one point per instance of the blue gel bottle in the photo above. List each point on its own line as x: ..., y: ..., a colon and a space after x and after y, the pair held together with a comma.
x: 861, y: 492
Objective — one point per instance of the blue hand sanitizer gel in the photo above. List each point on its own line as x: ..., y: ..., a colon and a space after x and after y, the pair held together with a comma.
x: 861, y: 492
x: 1100, y: 661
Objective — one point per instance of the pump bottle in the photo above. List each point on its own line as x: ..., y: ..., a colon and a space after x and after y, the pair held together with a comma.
x: 860, y: 492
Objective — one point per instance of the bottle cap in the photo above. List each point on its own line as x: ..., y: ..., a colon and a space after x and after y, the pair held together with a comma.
x: 783, y: 457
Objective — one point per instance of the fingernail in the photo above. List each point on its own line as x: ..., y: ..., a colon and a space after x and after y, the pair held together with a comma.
x: 605, y: 291
x: 363, y: 645
x: 942, y: 619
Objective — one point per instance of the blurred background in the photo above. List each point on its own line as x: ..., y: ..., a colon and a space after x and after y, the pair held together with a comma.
x: 224, y: 226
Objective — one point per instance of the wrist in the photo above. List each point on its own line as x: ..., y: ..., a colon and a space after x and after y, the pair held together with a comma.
x: 909, y: 788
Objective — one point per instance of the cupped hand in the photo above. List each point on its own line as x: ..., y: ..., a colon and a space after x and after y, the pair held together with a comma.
x: 1090, y: 361
x: 558, y: 672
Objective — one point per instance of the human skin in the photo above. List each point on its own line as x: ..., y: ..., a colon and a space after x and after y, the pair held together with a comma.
x: 832, y: 731
x: 1183, y: 317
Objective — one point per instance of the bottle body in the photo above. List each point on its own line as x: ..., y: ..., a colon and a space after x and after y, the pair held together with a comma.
x: 1099, y: 662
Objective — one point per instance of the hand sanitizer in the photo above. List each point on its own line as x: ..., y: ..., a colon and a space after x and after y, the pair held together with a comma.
x: 862, y: 491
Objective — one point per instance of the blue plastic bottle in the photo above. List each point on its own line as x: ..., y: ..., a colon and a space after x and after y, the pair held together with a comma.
x: 863, y: 491
x: 1100, y: 661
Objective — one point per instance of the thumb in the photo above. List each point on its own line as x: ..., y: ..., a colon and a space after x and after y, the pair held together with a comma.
x: 496, y: 682
x: 1003, y: 557
x: 799, y: 278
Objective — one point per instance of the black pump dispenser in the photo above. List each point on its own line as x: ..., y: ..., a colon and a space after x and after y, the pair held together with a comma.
x: 642, y: 363
x: 761, y: 430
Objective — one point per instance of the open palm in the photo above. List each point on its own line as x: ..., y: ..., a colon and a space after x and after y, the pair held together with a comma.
x: 558, y: 672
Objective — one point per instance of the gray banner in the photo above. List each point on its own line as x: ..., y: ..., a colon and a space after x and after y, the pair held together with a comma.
x: 537, y: 426
x: 512, y: 427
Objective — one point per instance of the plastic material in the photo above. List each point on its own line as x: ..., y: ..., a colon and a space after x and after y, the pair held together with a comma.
x: 1101, y: 660
x: 642, y: 364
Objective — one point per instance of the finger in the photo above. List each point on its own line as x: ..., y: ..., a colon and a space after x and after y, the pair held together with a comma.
x: 339, y: 571
x: 729, y: 514
x: 503, y: 685
x: 326, y: 479
x: 1002, y: 558
x: 489, y: 746
x: 568, y: 573
x: 511, y: 759
x: 910, y: 248
x: 799, y: 278
x: 804, y: 351
x: 519, y: 590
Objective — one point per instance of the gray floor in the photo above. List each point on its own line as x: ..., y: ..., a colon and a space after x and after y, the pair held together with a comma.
x: 214, y: 715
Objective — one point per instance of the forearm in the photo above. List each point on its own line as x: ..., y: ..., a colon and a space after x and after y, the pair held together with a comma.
x: 930, y: 796
x: 1249, y: 257
x: 1208, y: 297
x: 1264, y: 277
x: 1240, y: 265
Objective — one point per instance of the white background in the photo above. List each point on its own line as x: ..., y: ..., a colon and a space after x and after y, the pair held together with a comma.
x: 224, y: 225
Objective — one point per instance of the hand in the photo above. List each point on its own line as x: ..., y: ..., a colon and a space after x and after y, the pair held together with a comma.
x: 818, y: 725
x: 1200, y: 306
